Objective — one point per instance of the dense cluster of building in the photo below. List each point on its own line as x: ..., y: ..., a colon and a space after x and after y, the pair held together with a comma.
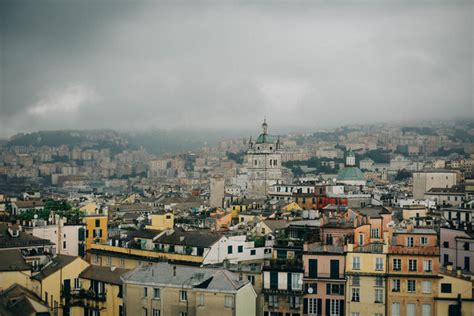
x: 248, y: 237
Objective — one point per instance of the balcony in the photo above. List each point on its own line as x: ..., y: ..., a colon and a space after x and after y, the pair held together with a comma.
x: 325, y: 276
x: 283, y: 292
x: 90, y: 295
x: 148, y: 253
x: 290, y: 265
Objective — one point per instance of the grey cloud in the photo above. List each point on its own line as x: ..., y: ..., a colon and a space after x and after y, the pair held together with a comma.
x: 226, y: 65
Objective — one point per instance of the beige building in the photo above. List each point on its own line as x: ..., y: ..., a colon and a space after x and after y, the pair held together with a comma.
x: 425, y: 180
x: 217, y: 191
x: 165, y: 289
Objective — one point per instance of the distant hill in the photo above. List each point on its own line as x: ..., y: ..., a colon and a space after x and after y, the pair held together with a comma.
x: 154, y: 141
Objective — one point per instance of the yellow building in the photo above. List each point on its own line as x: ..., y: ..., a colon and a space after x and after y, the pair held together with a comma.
x: 161, y: 221
x: 454, y: 290
x: 100, y: 292
x: 365, y: 269
x: 96, y: 228
x: 55, y: 281
x: 14, y: 269
x: 107, y: 255
x: 165, y: 289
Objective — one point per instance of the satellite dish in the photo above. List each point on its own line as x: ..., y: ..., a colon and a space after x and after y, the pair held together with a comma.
x: 310, y: 290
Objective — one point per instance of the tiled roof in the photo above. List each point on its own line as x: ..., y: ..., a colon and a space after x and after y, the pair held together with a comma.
x: 12, y: 260
x: 165, y: 274
x: 196, y: 239
x: 104, y: 274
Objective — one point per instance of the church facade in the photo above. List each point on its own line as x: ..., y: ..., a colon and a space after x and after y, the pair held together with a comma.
x: 263, y: 162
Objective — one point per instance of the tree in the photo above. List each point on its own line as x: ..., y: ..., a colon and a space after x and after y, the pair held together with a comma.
x: 403, y: 175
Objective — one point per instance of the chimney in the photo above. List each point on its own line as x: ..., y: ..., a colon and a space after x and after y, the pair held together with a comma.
x: 174, y: 271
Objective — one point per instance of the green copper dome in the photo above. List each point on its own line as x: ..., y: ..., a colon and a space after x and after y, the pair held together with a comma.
x: 350, y: 173
x: 264, y: 139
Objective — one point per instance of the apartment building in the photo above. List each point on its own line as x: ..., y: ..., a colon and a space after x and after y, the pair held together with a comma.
x: 413, y: 267
x: 165, y: 289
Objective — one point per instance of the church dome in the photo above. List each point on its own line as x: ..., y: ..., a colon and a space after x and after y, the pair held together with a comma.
x: 264, y: 139
x: 350, y: 174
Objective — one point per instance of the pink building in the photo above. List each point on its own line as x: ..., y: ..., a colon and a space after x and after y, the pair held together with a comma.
x: 323, y: 279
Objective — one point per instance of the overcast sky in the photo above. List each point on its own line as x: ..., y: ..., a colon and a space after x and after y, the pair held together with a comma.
x: 136, y: 64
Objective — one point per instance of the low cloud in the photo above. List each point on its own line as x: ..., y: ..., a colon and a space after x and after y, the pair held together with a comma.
x: 66, y: 101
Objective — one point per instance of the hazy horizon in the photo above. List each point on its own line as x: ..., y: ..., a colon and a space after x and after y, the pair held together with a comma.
x: 225, y: 66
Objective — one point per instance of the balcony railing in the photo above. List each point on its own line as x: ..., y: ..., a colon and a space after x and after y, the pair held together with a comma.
x: 84, y: 294
x: 283, y: 265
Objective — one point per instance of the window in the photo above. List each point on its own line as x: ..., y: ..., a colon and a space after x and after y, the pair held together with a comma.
x: 96, y: 259
x: 335, y: 307
x: 396, y: 285
x: 145, y: 292
x: 424, y: 241
x: 412, y: 265
x: 201, y: 300
x: 294, y: 301
x: 379, y: 281
x: 295, y: 284
x: 229, y: 249
x: 240, y: 249
x: 446, y: 244
x: 335, y: 289
x: 356, y: 280
x: 411, y: 287
x: 426, y: 310
x: 445, y: 287
x: 64, y: 245
x: 312, y: 306
x: 395, y: 309
x: 378, y: 296
x: 397, y: 264
x: 156, y: 312
x: 426, y: 287
x: 252, y: 252
x: 374, y: 233
x: 411, y: 309
x: 97, y: 223
x: 427, y: 265
x: 183, y: 296
x: 379, y: 264
x: 77, y: 283
x: 251, y: 278
x: 156, y: 293
x: 409, y: 241
x: 183, y: 313
x: 229, y: 301
x: 466, y: 246
x: 355, y: 294
x: 122, y: 262
x: 356, y: 263
x: 109, y: 260
x: 273, y: 300
x: 273, y: 280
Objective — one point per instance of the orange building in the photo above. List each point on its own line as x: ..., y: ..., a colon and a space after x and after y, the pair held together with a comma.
x: 413, y: 267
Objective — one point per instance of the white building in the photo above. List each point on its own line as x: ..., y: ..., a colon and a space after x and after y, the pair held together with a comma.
x: 69, y: 239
